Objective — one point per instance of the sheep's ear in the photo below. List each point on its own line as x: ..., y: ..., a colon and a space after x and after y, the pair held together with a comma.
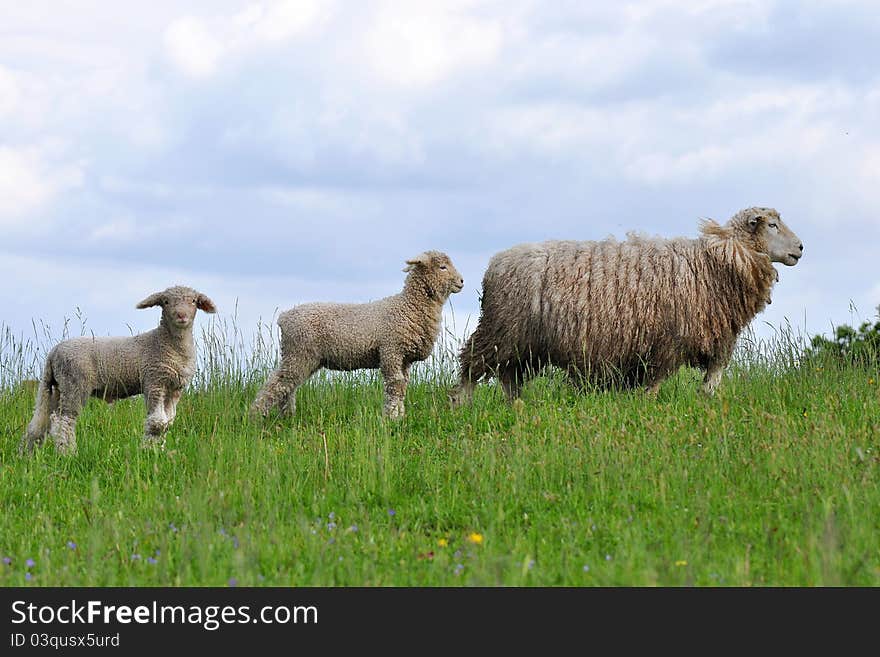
x: 424, y: 260
x: 755, y: 221
x: 155, y: 299
x: 204, y: 304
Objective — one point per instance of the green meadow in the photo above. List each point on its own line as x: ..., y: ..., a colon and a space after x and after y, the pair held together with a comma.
x: 775, y: 481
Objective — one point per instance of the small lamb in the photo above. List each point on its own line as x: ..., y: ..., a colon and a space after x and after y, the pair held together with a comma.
x: 159, y: 363
x: 390, y: 334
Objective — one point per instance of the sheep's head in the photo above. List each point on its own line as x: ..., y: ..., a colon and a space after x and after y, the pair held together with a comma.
x: 436, y: 270
x: 764, y: 231
x: 179, y: 305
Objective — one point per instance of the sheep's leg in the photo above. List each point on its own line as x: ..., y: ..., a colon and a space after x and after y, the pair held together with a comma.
x: 393, y: 373
x: 157, y: 421
x: 280, y: 388
x: 63, y: 420
x: 512, y: 380
x: 171, y: 406
x: 713, y: 378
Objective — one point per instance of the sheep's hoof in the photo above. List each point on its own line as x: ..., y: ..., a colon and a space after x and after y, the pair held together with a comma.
x: 153, y: 442
x: 394, y: 411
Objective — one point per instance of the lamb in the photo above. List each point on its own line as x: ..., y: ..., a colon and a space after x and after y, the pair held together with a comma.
x: 625, y: 313
x: 389, y: 334
x: 157, y: 363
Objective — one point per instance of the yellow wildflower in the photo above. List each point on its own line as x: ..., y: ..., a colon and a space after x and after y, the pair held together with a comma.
x: 442, y: 542
x: 475, y: 538
x: 681, y: 562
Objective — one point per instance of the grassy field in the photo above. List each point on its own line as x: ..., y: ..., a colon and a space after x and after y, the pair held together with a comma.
x: 773, y: 482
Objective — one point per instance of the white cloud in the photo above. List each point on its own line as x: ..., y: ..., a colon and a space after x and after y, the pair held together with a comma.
x: 29, y: 180
x: 278, y: 21
x: 192, y: 47
x: 198, y: 45
x: 422, y: 43
x: 10, y: 94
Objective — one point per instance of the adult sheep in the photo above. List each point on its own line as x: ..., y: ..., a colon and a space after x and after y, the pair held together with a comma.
x: 625, y: 313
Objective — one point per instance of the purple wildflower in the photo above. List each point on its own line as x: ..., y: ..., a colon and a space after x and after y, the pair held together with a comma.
x: 30, y: 563
x: 353, y: 528
x: 28, y: 576
x: 331, y: 526
x: 135, y: 557
x: 392, y: 512
x: 151, y: 560
x: 235, y: 542
x: 586, y: 568
x: 71, y: 545
x: 607, y: 557
x: 7, y: 560
x: 331, y: 516
x: 458, y: 568
x: 172, y: 526
x: 233, y: 581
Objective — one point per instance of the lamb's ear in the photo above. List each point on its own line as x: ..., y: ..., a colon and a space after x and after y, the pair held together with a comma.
x: 155, y: 299
x: 423, y: 259
x: 204, y: 304
x: 755, y: 221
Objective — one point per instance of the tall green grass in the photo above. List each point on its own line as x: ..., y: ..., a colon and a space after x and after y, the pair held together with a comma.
x: 775, y: 481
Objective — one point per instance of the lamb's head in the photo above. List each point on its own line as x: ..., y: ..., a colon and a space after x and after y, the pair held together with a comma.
x: 179, y: 306
x: 436, y: 271
x: 764, y: 231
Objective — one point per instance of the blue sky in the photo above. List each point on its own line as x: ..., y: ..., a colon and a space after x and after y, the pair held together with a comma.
x: 270, y: 153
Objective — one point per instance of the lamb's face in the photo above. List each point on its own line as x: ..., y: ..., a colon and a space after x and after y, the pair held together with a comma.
x: 439, y: 272
x: 767, y: 233
x: 179, y: 305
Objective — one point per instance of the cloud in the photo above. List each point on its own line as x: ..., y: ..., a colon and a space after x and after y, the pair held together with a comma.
x: 198, y: 46
x: 30, y: 179
x: 422, y: 43
x: 192, y: 47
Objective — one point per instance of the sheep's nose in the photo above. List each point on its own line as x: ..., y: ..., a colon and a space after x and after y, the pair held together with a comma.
x: 801, y: 247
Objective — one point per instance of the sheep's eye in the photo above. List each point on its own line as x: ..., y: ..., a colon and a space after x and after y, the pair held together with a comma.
x: 194, y: 301
x: 772, y: 225
x: 443, y: 267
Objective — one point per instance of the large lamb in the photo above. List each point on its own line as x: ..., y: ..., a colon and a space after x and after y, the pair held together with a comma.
x: 159, y: 363
x: 390, y: 334
x: 625, y: 313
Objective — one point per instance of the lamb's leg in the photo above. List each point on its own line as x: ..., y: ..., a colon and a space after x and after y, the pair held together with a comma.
x: 157, y: 421
x: 279, y: 391
x: 713, y: 378
x: 394, y: 376
x: 63, y: 419
x: 171, y: 406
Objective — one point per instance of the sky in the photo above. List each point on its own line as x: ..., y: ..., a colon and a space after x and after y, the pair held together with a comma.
x: 271, y: 153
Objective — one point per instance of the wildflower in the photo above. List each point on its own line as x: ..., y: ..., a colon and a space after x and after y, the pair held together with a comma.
x: 71, y: 545
x: 28, y: 576
x: 331, y: 516
x: 607, y: 557
x: 30, y: 563
x: 443, y: 542
x: 681, y: 562
x: 135, y: 557
x: 353, y: 528
x: 7, y: 560
x: 235, y: 542
x: 151, y: 560
x: 870, y: 382
x: 458, y: 568
x: 172, y: 527
x: 475, y: 538
x: 392, y: 512
x: 331, y: 526
x: 233, y: 581
x: 586, y: 568
x: 531, y: 564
